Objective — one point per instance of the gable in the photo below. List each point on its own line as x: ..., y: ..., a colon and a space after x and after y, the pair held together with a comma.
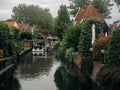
x: 87, y: 12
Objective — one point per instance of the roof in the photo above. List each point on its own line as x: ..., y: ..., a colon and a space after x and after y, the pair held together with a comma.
x: 21, y: 26
x: 11, y: 23
x: 87, y: 12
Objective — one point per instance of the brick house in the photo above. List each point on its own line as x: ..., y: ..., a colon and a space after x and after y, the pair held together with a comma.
x: 21, y: 26
x: 89, y: 12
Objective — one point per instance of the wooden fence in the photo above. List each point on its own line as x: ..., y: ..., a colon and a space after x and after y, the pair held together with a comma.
x: 5, y: 65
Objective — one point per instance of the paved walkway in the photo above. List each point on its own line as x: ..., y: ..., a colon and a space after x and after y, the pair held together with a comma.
x: 97, y: 66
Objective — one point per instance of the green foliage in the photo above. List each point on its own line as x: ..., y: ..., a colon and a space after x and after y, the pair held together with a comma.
x: 59, y: 28
x: 86, y: 65
x: 72, y: 35
x: 117, y: 2
x: 19, y: 12
x: 33, y: 15
x: 63, y: 14
x: 60, y: 53
x: 68, y: 46
x: 103, y: 6
x: 86, y: 35
x: 85, y: 39
x: 69, y: 54
x: 8, y: 40
x: 65, y: 80
x: 14, y: 33
x: 76, y: 4
x: 100, y: 44
x: 84, y: 48
x: 85, y: 44
x: 62, y: 21
x: 112, y: 56
x: 25, y: 35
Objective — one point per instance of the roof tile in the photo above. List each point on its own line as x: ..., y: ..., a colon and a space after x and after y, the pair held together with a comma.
x: 87, y: 12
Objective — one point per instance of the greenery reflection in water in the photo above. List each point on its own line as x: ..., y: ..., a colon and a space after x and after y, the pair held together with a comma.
x: 32, y: 66
x: 11, y: 84
x: 65, y: 81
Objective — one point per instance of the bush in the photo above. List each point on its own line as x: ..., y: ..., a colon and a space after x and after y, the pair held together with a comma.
x: 25, y: 35
x: 112, y: 55
x: 8, y: 40
x: 86, y: 65
x: 100, y: 44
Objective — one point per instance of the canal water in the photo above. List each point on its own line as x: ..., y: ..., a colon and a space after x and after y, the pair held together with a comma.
x: 43, y: 73
x: 37, y: 72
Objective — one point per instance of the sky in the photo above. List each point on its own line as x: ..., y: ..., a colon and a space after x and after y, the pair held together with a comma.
x: 6, y: 7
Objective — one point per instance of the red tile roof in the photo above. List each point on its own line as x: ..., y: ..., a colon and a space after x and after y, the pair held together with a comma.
x: 21, y: 26
x: 87, y: 12
x: 11, y: 23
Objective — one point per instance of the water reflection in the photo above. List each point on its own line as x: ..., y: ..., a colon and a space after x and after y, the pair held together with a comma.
x: 66, y: 81
x: 31, y: 67
x: 37, y: 72
x: 11, y: 84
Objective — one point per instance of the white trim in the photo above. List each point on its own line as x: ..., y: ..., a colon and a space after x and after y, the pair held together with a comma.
x: 15, y: 24
x: 77, y: 14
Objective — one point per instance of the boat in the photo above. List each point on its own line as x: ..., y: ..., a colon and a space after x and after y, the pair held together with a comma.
x: 39, y: 47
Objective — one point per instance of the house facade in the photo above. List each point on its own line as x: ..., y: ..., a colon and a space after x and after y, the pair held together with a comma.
x: 86, y: 12
x: 21, y: 26
x: 90, y: 12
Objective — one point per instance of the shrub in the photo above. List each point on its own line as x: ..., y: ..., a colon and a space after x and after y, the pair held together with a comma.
x: 112, y: 56
x: 100, y: 44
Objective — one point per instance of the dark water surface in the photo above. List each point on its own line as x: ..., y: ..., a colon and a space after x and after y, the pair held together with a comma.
x: 37, y: 73
x: 44, y: 73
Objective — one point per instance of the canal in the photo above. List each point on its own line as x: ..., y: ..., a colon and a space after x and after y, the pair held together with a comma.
x: 37, y: 72
x: 43, y: 73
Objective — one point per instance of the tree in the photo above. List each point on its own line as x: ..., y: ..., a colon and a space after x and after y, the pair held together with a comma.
x: 25, y: 35
x: 86, y: 34
x: 67, y: 47
x: 19, y: 12
x: 63, y: 14
x: 7, y: 43
x: 100, y: 44
x: 85, y: 43
x: 62, y: 21
x: 4, y: 34
x: 76, y: 4
x: 117, y: 2
x: 85, y: 40
x: 14, y: 32
x: 103, y: 6
x: 112, y: 56
x: 71, y: 36
x: 33, y: 15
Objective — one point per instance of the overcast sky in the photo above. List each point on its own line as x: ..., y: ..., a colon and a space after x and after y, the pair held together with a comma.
x: 7, y: 5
